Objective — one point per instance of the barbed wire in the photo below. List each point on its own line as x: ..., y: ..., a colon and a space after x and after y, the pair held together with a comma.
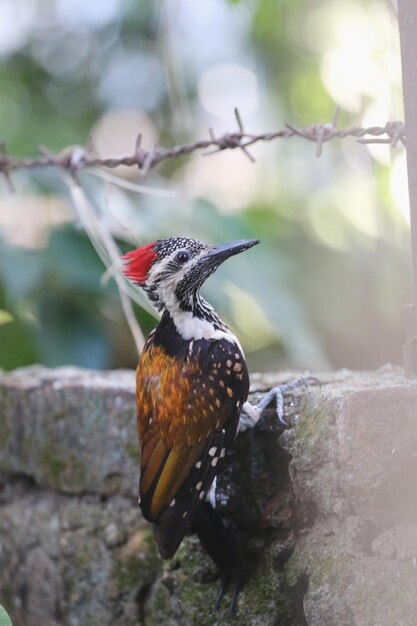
x: 76, y: 158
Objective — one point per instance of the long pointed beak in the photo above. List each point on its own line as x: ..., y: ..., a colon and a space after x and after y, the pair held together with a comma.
x: 223, y: 251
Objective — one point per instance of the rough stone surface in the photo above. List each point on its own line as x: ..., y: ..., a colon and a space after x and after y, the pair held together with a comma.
x: 353, y: 470
x: 69, y: 429
x: 325, y: 513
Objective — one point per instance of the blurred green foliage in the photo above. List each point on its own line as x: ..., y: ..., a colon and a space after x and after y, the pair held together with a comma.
x: 327, y: 285
x: 4, y: 618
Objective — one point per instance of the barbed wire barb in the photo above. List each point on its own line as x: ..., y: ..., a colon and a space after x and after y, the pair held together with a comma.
x: 138, y: 143
x: 4, y: 169
x: 336, y: 116
x: 243, y: 134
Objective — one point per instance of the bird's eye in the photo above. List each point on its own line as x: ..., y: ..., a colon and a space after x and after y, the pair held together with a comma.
x: 182, y: 257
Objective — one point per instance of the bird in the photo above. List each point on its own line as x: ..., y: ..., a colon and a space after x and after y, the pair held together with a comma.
x: 192, y: 385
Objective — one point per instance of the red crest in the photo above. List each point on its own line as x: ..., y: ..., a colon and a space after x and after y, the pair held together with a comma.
x: 139, y: 262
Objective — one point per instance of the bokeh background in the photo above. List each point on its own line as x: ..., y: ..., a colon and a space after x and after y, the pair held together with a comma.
x: 325, y: 289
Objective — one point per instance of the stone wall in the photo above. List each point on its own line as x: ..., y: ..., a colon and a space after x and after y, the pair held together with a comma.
x: 325, y: 513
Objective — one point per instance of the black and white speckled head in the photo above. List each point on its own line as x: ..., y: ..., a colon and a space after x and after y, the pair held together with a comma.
x: 172, y: 270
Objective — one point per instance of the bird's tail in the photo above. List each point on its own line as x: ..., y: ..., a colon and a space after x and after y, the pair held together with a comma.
x: 222, y: 548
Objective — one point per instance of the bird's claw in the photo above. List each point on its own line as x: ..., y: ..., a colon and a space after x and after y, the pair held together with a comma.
x: 251, y: 414
x: 277, y: 394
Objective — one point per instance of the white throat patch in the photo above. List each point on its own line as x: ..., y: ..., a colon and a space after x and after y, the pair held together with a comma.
x: 190, y: 327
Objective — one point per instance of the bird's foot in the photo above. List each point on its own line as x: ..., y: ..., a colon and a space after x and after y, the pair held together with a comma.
x: 251, y: 414
x: 277, y: 394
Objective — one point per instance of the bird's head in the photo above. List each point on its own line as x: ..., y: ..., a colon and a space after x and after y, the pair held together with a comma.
x: 172, y: 270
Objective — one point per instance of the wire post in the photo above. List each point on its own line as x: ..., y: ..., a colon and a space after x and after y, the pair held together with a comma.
x: 407, y: 19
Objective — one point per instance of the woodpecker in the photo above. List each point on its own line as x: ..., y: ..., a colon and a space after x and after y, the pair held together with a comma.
x: 192, y: 382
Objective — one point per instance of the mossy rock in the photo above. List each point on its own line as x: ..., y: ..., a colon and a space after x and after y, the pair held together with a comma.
x: 137, y: 564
